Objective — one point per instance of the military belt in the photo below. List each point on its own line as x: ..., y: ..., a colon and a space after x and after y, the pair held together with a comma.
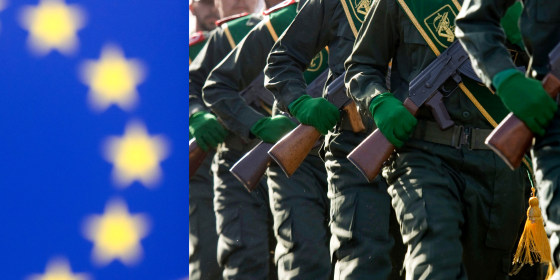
x: 456, y: 136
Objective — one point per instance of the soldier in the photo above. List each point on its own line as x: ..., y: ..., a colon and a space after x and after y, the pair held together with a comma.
x: 248, y: 216
x: 206, y: 15
x: 360, y: 213
x: 458, y: 204
x: 480, y: 33
x: 299, y: 205
x: 203, y: 239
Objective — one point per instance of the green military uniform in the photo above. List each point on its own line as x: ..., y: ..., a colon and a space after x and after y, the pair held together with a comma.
x: 196, y: 42
x: 479, y: 31
x: 299, y: 204
x: 458, y: 204
x: 203, y: 239
x: 243, y: 222
x: 360, y: 214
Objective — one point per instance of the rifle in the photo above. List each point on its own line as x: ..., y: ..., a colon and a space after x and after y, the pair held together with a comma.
x: 255, y: 95
x: 424, y: 89
x: 196, y: 157
x: 511, y: 139
x: 293, y: 148
x: 251, y: 167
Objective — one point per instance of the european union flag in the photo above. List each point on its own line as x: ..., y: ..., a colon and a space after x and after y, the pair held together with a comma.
x: 93, y: 139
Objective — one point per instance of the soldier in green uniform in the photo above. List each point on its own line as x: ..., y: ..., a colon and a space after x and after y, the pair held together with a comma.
x: 243, y: 221
x: 203, y: 238
x: 360, y: 214
x: 459, y: 206
x: 206, y: 15
x: 299, y: 204
x: 479, y: 31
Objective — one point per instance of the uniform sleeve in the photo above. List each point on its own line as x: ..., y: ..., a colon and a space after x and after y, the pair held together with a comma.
x: 479, y: 30
x: 367, y: 65
x: 209, y: 56
x: 294, y: 50
x: 232, y: 75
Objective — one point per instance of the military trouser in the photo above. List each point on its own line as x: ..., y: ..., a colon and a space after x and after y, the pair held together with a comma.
x: 363, y: 225
x: 546, y: 158
x: 300, y: 208
x: 203, y: 239
x: 243, y: 219
x: 460, y: 210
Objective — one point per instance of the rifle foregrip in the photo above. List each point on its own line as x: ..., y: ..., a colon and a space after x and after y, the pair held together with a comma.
x: 370, y: 155
x: 293, y: 148
x: 354, y: 117
x: 252, y: 166
x: 196, y: 157
x: 512, y: 138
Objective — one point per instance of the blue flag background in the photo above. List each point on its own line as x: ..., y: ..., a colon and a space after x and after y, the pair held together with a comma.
x: 93, y: 156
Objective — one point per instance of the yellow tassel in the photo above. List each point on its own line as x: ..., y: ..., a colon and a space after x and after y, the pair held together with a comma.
x: 533, y: 246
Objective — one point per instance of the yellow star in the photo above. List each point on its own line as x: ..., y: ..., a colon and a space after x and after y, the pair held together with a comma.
x: 136, y: 156
x: 112, y: 79
x: 58, y: 269
x: 116, y: 234
x: 52, y: 25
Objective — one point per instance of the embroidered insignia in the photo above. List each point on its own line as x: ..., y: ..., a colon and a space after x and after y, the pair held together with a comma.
x: 440, y: 24
x: 360, y: 8
x: 316, y: 63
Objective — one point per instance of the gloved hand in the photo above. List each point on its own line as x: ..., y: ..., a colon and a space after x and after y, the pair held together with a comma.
x: 510, y: 24
x: 207, y: 130
x: 317, y: 112
x: 271, y: 129
x: 526, y: 98
x: 392, y: 118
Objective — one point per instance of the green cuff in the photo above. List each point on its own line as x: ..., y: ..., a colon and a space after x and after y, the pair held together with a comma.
x: 376, y: 100
x: 502, y: 76
x: 294, y: 106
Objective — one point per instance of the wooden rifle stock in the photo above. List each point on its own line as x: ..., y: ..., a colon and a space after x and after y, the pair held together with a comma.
x: 512, y: 138
x: 354, y: 117
x: 371, y: 153
x: 251, y: 167
x: 196, y: 157
x: 290, y: 151
x: 293, y: 148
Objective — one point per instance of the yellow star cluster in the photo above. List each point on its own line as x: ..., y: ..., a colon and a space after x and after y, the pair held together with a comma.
x: 136, y: 156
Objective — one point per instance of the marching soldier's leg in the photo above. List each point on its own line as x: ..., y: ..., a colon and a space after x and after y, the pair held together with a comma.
x: 459, y: 211
x: 495, y: 200
x: 242, y: 220
x: 361, y: 242
x: 203, y: 239
x: 300, y: 209
x: 546, y: 160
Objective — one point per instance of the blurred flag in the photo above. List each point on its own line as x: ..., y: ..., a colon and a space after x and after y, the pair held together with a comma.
x: 93, y: 136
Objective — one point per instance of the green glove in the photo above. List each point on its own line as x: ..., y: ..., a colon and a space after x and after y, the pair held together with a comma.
x: 526, y: 98
x: 392, y: 118
x: 510, y: 24
x: 271, y: 129
x: 317, y: 112
x: 207, y: 130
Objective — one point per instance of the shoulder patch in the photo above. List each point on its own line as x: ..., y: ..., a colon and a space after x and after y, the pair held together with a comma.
x: 284, y: 4
x: 230, y: 18
x: 196, y: 38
